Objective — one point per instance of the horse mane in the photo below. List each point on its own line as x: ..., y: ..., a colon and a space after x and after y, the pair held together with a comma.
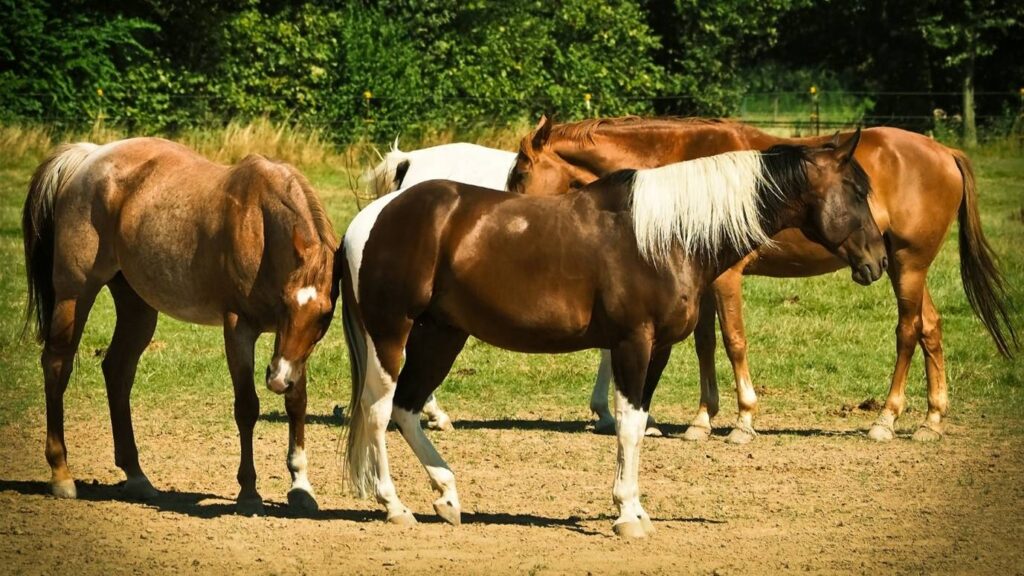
x: 714, y: 203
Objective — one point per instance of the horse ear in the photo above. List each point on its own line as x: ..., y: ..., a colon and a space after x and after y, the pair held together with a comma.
x: 541, y: 133
x: 835, y: 140
x: 300, y: 242
x: 844, y: 151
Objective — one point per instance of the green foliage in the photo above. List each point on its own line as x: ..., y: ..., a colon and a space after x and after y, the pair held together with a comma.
x: 57, y: 66
x: 458, y: 67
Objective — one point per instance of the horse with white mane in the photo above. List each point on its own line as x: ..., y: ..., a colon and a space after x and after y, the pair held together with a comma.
x: 429, y: 267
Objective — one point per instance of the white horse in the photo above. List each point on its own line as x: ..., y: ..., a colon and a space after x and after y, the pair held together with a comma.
x: 480, y: 166
x: 461, y: 162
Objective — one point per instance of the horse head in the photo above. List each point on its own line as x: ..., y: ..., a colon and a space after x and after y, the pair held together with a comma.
x: 838, y: 217
x: 305, y: 309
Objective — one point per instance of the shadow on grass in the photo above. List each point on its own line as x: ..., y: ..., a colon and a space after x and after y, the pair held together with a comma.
x: 320, y: 419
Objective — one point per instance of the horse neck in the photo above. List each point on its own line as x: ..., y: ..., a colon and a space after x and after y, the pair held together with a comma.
x: 652, y: 143
x: 780, y: 214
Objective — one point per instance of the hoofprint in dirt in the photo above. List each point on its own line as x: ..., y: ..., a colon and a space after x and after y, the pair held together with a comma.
x: 818, y: 499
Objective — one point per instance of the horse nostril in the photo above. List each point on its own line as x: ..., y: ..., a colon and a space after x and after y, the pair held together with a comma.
x: 885, y: 262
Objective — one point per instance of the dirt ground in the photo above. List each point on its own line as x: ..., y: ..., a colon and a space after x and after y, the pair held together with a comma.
x: 537, y: 499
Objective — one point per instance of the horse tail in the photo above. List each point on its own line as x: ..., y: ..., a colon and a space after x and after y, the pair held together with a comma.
x: 982, y: 280
x: 387, y: 176
x: 38, y: 230
x: 357, y: 446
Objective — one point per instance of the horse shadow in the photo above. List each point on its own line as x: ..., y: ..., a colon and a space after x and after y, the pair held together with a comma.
x: 669, y: 430
x: 202, y: 505
x: 208, y: 506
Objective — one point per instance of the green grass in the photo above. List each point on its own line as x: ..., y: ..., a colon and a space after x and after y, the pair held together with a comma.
x: 815, y: 344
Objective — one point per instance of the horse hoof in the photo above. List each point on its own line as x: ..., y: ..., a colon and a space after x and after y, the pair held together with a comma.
x: 648, y: 526
x: 605, y: 426
x: 139, y: 488
x: 881, y: 433
x: 451, y: 513
x: 740, y: 436
x: 927, y: 434
x: 404, y: 518
x: 64, y: 489
x: 251, y: 506
x: 631, y: 529
x: 695, y: 433
x: 302, y: 501
x: 653, y: 432
x: 443, y: 424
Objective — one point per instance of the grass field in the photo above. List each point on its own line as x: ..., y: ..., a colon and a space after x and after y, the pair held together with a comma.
x: 818, y: 347
x: 815, y: 344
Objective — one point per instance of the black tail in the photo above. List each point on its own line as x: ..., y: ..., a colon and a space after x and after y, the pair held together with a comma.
x: 37, y: 227
x: 983, y: 283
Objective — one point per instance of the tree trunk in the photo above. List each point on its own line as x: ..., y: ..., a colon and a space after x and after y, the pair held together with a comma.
x: 970, y: 127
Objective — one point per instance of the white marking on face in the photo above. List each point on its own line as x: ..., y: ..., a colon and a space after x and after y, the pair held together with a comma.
x: 280, y: 375
x: 304, y: 295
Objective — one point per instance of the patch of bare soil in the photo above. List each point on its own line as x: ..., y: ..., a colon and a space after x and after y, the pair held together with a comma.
x: 537, y: 499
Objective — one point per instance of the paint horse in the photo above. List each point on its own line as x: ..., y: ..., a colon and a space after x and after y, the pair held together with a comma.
x: 248, y: 247
x: 459, y: 162
x: 620, y: 265
x: 920, y: 187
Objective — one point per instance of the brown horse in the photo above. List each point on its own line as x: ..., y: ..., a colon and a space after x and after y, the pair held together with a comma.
x: 620, y: 265
x: 920, y: 187
x: 248, y: 247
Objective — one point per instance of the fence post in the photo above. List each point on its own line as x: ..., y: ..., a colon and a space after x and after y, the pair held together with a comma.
x: 586, y: 103
x: 816, y: 114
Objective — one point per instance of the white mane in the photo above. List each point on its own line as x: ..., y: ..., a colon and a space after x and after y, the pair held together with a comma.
x: 701, y: 205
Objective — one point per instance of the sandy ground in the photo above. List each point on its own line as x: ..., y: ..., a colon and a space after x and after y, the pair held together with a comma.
x: 536, y: 498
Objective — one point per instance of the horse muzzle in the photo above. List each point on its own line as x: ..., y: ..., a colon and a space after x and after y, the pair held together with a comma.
x: 281, y: 376
x: 867, y: 270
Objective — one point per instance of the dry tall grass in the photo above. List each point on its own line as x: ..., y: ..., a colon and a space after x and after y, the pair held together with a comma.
x: 300, y: 145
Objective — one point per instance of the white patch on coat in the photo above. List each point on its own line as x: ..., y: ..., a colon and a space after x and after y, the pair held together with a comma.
x: 517, y: 225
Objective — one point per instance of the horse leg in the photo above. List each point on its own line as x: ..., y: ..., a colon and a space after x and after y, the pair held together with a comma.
x: 239, y: 345
x: 909, y: 288
x: 934, y: 365
x: 57, y: 359
x: 729, y: 291
x: 300, y: 495
x: 599, y: 397
x: 430, y: 353
x: 630, y: 361
x: 437, y: 418
x: 136, y: 322
x: 704, y: 343
x: 383, y: 357
x: 599, y: 401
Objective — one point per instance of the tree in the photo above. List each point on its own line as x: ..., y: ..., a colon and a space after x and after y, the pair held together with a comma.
x: 964, y: 31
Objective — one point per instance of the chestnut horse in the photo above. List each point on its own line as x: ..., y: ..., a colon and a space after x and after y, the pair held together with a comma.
x: 920, y: 187
x: 248, y: 247
x: 620, y: 265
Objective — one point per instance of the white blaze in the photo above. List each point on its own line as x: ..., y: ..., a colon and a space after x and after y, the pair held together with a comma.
x: 304, y: 295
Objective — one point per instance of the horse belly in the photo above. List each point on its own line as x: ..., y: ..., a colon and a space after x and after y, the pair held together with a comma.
x: 549, y: 324
x: 170, y: 270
